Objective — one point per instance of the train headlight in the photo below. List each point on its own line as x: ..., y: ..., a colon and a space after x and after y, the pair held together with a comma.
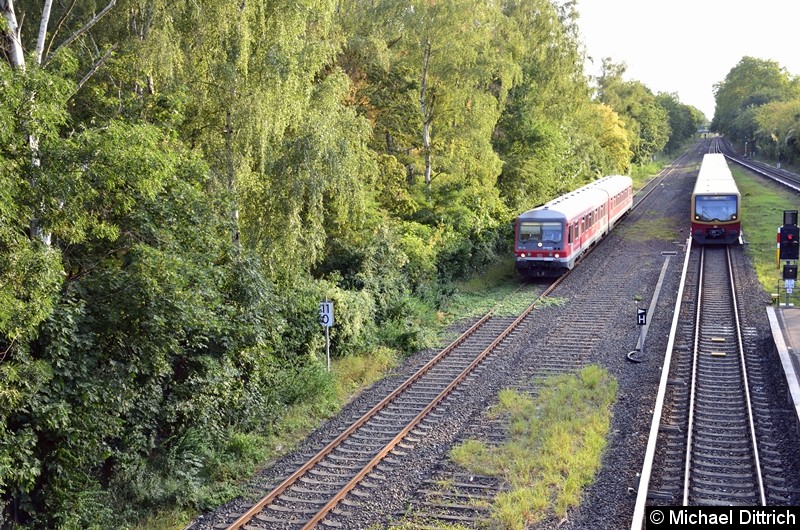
x: 522, y: 255
x: 539, y: 244
x: 557, y: 255
x: 733, y: 217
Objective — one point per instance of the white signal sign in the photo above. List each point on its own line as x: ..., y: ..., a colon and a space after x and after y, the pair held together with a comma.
x: 326, y: 314
x: 641, y: 317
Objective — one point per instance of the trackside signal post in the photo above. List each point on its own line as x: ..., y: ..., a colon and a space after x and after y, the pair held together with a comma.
x: 326, y: 319
x: 789, y: 249
x: 641, y: 313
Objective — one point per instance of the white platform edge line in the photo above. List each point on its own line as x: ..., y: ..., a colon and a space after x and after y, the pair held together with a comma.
x: 786, y: 361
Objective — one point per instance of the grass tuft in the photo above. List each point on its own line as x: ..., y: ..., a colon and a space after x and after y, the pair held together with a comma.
x: 554, y: 447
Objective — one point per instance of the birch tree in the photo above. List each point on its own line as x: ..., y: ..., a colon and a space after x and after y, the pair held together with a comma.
x: 12, y: 39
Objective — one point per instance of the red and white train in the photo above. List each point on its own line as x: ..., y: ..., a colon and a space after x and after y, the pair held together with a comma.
x: 551, y: 238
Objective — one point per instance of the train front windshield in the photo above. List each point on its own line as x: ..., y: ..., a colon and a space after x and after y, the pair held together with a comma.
x: 545, y: 235
x: 720, y: 208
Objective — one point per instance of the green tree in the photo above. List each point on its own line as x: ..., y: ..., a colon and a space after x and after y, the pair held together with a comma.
x: 606, y: 146
x: 684, y: 120
x: 751, y: 83
x: 433, y: 79
x: 541, y: 131
x: 779, y: 129
x: 645, y: 120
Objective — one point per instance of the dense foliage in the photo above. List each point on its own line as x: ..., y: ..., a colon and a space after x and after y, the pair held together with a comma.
x: 182, y: 182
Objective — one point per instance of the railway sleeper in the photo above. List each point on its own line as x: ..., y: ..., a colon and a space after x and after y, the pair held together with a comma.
x: 299, y: 500
x: 455, y: 494
x: 703, y: 454
x: 454, y: 506
x: 714, y: 501
x: 330, y: 483
x: 375, y: 429
x: 273, y: 520
x: 375, y: 441
x: 726, y: 485
x: 716, y: 498
x: 451, y: 517
x: 658, y: 495
x: 299, y: 489
x: 349, y: 468
x: 328, y: 474
x: 292, y: 509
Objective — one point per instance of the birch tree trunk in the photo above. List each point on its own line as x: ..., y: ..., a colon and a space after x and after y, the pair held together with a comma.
x: 232, y: 177
x: 48, y: 4
x: 11, y: 35
x: 426, y: 107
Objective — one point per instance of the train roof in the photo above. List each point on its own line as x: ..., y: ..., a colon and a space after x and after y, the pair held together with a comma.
x: 576, y: 202
x: 612, y: 184
x: 714, y: 177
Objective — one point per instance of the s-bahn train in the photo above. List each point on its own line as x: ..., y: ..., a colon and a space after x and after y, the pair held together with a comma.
x: 550, y: 238
x: 715, y: 203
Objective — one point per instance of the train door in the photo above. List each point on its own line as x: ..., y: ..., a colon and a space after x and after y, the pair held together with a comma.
x: 569, y: 238
x: 574, y: 242
x: 583, y: 232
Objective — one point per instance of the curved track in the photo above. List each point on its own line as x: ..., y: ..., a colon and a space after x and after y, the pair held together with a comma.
x: 451, y: 496
x: 776, y: 174
x: 345, y: 471
x: 348, y: 466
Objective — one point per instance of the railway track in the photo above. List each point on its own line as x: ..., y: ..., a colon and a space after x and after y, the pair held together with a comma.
x: 335, y: 480
x: 452, y: 497
x: 704, y: 443
x: 776, y: 174
x: 722, y: 466
x: 350, y: 465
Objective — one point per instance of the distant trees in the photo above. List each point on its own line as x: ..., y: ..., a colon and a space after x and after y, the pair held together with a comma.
x: 646, y: 121
x: 684, y: 120
x: 749, y: 86
x: 778, y: 130
x: 553, y: 137
x: 750, y: 106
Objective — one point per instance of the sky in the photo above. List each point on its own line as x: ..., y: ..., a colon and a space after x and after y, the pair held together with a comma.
x: 685, y: 46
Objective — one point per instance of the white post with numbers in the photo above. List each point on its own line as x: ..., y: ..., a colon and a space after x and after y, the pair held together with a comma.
x: 326, y: 319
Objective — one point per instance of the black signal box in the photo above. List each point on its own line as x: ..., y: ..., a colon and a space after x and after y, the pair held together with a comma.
x: 790, y: 272
x: 789, y: 242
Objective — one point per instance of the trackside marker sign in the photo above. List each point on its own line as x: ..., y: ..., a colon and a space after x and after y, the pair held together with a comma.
x: 326, y: 314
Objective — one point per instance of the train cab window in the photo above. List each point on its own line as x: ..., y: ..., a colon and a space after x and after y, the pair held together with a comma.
x: 715, y: 208
x: 541, y: 234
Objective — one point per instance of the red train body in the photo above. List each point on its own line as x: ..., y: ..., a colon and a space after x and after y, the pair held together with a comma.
x: 716, y: 202
x: 551, y: 238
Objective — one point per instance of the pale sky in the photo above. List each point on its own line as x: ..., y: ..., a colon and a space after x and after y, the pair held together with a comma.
x: 686, y: 46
